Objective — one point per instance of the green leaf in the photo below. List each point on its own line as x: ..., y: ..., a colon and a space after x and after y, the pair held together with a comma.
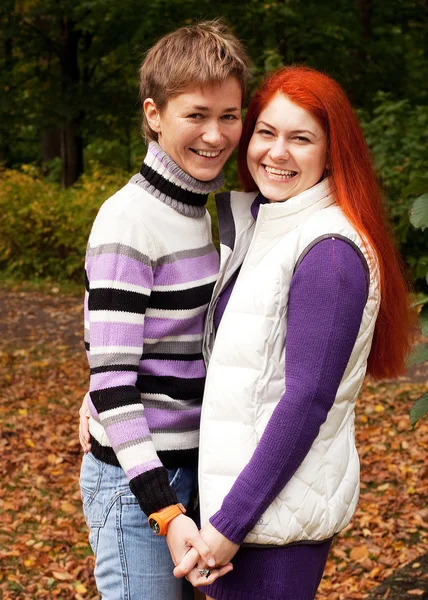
x: 418, y: 186
x: 419, y: 409
x: 423, y: 319
x: 419, y: 212
x: 419, y: 355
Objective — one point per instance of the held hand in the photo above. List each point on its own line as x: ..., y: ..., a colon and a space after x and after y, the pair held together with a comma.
x: 223, y: 549
x: 182, y: 535
x: 84, y: 425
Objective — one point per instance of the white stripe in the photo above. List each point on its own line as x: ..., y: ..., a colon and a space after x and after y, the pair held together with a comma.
x: 155, y: 164
x: 137, y: 455
x: 120, y: 410
x: 185, y: 286
x: 176, y: 441
x: 115, y: 316
x: 116, y: 350
x: 175, y: 338
x: 175, y: 315
x: 119, y: 285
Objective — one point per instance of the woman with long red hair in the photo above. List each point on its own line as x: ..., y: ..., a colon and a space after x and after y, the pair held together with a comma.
x: 310, y: 297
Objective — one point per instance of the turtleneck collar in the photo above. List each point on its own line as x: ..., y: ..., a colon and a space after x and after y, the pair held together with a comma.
x: 164, y: 179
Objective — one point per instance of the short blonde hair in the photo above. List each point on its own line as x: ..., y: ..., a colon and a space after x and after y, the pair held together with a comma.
x: 197, y: 55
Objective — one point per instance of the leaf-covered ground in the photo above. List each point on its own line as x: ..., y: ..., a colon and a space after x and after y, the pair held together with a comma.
x: 43, y: 540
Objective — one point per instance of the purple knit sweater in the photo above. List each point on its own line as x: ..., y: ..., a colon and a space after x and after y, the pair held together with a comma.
x: 326, y: 301
x: 150, y: 271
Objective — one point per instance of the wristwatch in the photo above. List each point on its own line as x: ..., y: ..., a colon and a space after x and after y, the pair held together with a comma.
x: 158, y: 521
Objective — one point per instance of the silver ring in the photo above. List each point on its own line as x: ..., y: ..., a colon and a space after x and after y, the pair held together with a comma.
x: 204, y: 572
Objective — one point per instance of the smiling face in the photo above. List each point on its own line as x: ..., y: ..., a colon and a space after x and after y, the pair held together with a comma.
x: 199, y: 129
x: 287, y: 153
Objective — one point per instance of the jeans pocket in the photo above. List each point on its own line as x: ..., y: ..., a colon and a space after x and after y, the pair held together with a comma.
x: 90, y: 479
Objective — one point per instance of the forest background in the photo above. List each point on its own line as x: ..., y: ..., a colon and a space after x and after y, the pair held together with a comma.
x: 69, y: 138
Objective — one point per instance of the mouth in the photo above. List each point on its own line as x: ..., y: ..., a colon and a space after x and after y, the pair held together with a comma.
x: 279, y: 174
x: 207, y: 153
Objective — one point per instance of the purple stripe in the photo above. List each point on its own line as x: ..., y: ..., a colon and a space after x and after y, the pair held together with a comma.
x: 118, y: 267
x: 117, y: 334
x: 127, y: 431
x: 189, y: 369
x: 111, y: 379
x: 187, y: 270
x: 140, y: 469
x: 173, y: 419
x: 157, y: 328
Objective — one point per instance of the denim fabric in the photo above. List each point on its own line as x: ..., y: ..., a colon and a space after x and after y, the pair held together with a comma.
x: 131, y: 563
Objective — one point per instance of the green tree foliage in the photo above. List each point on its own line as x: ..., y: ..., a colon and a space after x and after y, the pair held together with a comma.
x: 69, y: 80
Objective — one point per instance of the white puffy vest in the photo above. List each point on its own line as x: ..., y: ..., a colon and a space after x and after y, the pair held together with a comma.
x: 245, y: 378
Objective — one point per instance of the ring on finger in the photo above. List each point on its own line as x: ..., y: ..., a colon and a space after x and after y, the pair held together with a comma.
x: 204, y: 572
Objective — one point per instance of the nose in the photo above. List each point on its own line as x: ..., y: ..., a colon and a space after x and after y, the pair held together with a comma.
x: 212, y: 133
x: 279, y: 150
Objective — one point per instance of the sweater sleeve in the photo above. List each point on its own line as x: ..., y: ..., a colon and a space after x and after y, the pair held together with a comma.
x: 326, y: 301
x: 120, y: 263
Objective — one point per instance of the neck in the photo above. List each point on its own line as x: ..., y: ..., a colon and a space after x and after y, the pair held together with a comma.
x: 163, y: 178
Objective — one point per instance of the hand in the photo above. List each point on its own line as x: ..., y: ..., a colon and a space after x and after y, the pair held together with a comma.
x: 182, y: 535
x: 84, y: 415
x: 194, y: 575
x: 222, y: 548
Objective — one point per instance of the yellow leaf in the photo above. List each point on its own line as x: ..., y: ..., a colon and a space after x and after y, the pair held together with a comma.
x: 364, y: 419
x: 68, y: 508
x: 411, y: 490
x: 379, y: 408
x: 23, y: 412
x: 359, y: 553
x: 62, y: 575
x: 383, y: 487
x: 80, y: 588
x: 30, y: 443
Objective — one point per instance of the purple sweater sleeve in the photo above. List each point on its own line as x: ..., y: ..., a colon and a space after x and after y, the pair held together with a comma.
x: 327, y: 297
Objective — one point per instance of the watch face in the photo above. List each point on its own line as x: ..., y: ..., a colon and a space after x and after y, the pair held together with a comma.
x: 154, y: 526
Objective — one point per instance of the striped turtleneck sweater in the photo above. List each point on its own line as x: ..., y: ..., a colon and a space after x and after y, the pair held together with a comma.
x: 150, y: 271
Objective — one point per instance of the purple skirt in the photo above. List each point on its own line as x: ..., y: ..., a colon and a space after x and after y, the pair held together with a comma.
x: 287, y: 573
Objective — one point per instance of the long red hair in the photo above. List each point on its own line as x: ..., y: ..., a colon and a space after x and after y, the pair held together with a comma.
x: 357, y: 192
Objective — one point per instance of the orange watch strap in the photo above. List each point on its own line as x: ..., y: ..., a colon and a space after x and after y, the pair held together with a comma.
x: 159, y: 520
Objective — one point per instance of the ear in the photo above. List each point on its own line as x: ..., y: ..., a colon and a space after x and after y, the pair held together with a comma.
x: 152, y: 114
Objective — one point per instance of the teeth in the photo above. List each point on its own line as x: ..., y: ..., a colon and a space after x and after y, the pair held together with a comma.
x: 280, y: 172
x: 208, y: 154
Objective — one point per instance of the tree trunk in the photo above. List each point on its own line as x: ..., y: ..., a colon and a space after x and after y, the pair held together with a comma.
x: 71, y: 138
x: 50, y: 144
x: 72, y: 154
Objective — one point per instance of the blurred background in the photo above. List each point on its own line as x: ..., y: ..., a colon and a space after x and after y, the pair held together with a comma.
x: 70, y: 114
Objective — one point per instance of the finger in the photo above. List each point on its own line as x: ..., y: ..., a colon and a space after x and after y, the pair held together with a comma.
x: 197, y: 580
x: 187, y: 563
x: 204, y: 552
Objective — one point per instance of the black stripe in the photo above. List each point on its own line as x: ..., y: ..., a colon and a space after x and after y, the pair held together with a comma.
x: 174, y: 387
x: 87, y: 346
x: 182, y: 299
x: 159, y: 355
x: 171, y: 459
x: 109, y: 368
x: 121, y: 300
x: 107, y: 399
x: 86, y: 281
x: 171, y: 189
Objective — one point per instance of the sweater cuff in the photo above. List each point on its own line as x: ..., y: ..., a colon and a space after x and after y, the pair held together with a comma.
x: 232, y: 531
x: 153, y: 491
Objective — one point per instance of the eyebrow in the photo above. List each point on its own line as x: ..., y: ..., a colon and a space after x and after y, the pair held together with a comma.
x: 293, y: 131
x: 206, y: 108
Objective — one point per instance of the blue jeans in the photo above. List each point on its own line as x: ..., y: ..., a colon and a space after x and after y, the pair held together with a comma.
x: 131, y: 562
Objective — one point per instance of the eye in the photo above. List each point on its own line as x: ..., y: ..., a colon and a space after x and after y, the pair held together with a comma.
x: 302, y: 139
x: 265, y: 132
x: 230, y: 117
x: 195, y: 116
